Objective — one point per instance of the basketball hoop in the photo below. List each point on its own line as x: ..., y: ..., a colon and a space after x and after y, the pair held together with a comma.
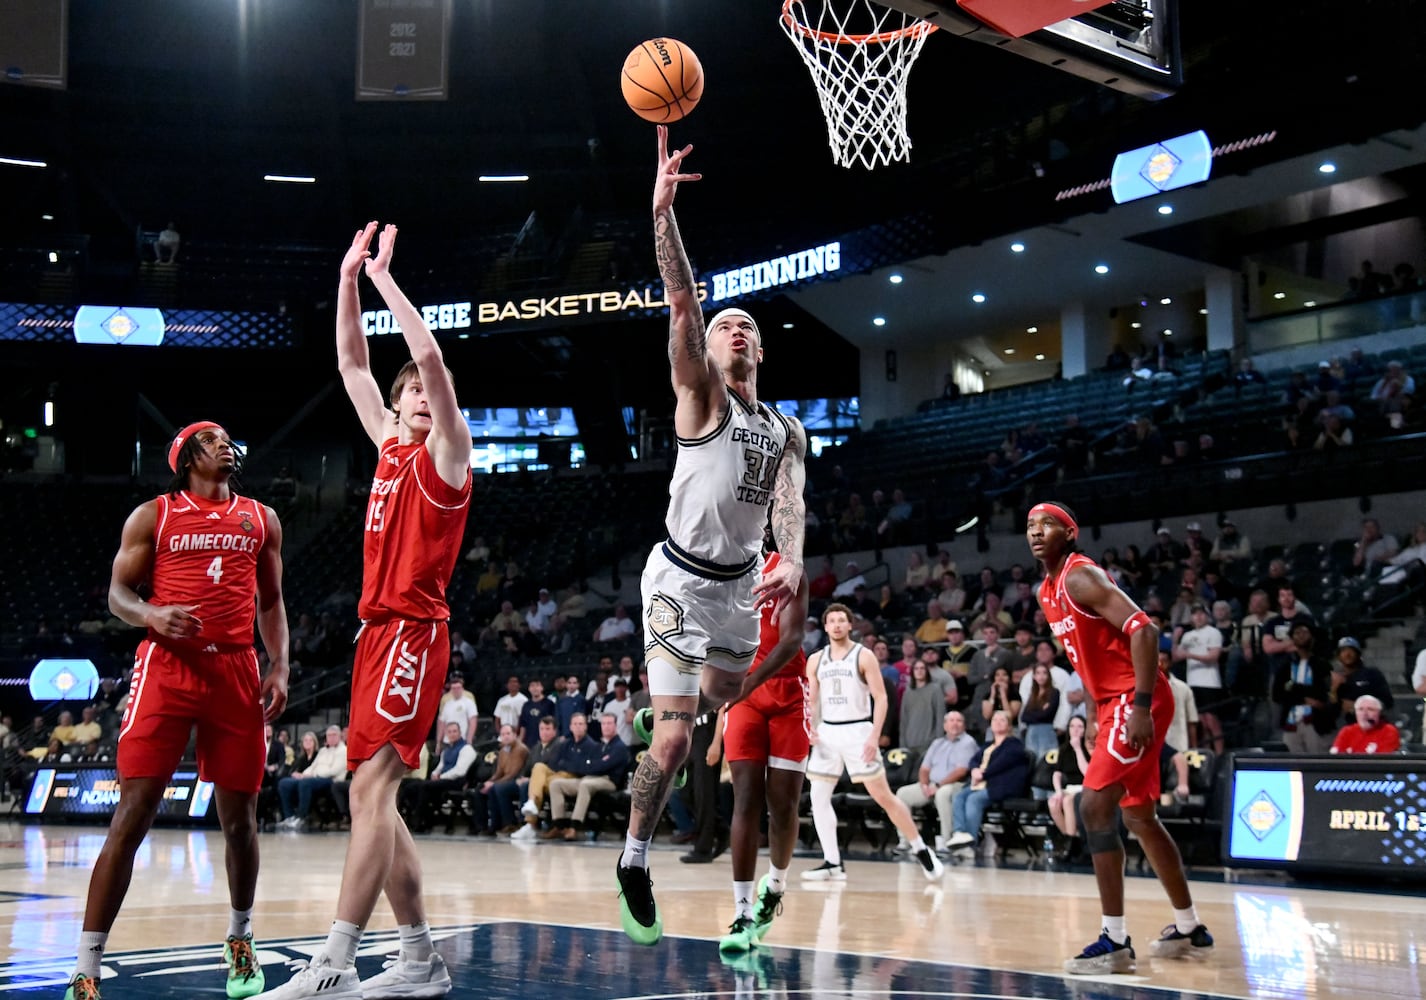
x: 859, y: 57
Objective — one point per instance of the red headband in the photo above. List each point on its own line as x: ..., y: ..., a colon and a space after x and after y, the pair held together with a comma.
x: 1058, y: 513
x: 184, y: 435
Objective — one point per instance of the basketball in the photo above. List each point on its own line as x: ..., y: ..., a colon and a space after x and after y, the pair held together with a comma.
x: 662, y: 80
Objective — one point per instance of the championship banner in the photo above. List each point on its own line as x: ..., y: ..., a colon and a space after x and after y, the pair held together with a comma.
x: 34, y: 43
x: 93, y: 791
x: 1351, y: 812
x: 403, y: 49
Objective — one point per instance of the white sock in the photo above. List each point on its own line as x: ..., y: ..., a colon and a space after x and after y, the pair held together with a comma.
x: 91, y: 953
x: 240, y: 923
x: 342, y: 943
x: 415, y: 942
x: 636, y: 852
x: 743, y: 899
x: 918, y: 845
x: 1186, y: 920
x: 1114, y: 927
x: 824, y: 818
x: 776, y: 879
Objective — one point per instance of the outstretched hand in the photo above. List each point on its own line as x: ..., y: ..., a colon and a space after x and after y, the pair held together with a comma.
x: 778, y: 586
x: 359, y: 251
x: 669, y: 174
x: 385, y: 244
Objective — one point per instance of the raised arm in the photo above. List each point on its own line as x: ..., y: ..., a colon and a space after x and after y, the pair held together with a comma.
x: 449, y: 440
x: 132, y: 566
x: 693, y: 371
x: 353, y: 358
x: 272, y: 618
x: 789, y: 521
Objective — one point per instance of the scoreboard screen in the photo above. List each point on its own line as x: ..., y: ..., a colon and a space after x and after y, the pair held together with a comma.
x: 1327, y: 813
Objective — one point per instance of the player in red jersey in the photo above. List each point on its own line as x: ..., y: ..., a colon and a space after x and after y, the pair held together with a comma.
x: 414, y: 522
x: 766, y: 737
x: 212, y: 561
x: 1114, y: 647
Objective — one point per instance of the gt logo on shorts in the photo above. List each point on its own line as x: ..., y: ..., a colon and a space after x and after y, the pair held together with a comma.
x: 664, y: 616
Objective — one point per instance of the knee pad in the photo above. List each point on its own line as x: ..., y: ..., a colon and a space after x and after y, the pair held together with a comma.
x: 673, y: 680
x: 1103, y: 841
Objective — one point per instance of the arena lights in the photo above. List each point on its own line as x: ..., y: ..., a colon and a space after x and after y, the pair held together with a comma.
x: 896, y: 279
x: 1165, y: 301
x: 17, y: 162
x: 47, y: 217
x: 1032, y: 329
x: 1279, y: 295
x: 878, y: 321
x: 1101, y: 268
x: 1327, y: 168
x: 787, y: 326
x: 1039, y: 357
x: 1017, y: 247
x: 978, y: 298
x: 1135, y: 325
x: 1010, y: 350
x: 1166, y: 210
x: 504, y: 178
x: 1309, y: 304
x: 288, y: 179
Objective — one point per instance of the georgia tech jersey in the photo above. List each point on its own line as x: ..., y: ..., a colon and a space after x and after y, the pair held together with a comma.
x: 722, y: 483
x: 841, y: 689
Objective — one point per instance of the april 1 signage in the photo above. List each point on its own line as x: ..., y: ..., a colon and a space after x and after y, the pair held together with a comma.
x: 804, y: 265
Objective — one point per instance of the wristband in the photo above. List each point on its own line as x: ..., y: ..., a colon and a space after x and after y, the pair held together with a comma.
x: 1134, y: 622
x: 1143, y: 699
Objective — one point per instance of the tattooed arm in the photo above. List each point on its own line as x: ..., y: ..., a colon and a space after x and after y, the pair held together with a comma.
x: 789, y: 521
x: 693, y: 372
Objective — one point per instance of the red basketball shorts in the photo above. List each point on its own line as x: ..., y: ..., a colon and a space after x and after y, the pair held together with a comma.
x: 397, y: 680
x: 1114, y: 762
x: 771, y: 726
x: 171, y: 693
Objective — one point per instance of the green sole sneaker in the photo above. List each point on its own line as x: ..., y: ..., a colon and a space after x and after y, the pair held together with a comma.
x: 83, y: 988
x: 742, y: 936
x: 635, y: 884
x: 245, y: 978
x: 769, y: 906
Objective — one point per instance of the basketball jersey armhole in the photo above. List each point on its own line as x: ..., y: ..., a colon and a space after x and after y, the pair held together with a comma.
x: 1064, y: 588
x: 435, y: 489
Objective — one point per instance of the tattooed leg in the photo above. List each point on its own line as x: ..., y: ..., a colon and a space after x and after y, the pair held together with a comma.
x: 653, y: 779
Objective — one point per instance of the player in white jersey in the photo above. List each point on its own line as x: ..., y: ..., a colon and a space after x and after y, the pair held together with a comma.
x: 740, y: 465
x: 849, y: 707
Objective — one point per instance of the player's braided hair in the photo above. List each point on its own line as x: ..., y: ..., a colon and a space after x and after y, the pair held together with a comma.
x: 188, y: 454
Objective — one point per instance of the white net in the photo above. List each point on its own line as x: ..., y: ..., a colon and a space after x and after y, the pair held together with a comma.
x: 859, y: 54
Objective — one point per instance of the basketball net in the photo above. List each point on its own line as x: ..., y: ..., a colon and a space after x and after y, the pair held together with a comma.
x: 859, y: 57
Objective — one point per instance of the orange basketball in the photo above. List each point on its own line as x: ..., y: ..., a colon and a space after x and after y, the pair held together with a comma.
x: 662, y: 80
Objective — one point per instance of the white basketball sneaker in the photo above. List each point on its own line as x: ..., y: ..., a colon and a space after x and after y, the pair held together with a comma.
x: 406, y: 978
x: 318, y: 978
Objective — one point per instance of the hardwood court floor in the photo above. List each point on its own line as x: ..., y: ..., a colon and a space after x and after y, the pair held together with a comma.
x: 532, y: 921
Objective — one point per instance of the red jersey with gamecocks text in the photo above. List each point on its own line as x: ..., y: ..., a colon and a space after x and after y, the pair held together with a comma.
x: 769, y: 633
x: 414, y: 524
x: 205, y: 553
x: 1098, y: 649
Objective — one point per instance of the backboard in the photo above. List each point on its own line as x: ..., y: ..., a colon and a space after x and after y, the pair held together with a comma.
x: 1128, y: 45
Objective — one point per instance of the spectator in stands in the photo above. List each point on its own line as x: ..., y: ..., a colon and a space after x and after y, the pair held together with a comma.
x: 37, y: 737
x: 1181, y: 611
x: 990, y: 656
x: 505, y: 623
x: 1275, y: 579
x: 1371, y: 282
x: 1037, y: 716
x: 1118, y: 360
x: 1001, y: 695
x: 55, y: 753
x: 959, y: 651
x: 621, y: 707
x: 282, y: 486
x: 1351, y: 679
x: 933, y: 626
x: 463, y: 647
x: 93, y: 753
x: 950, y: 596
x: 853, y: 580
x: 570, y: 704
x: 1199, y: 649
x: 853, y: 525
x: 1253, y: 673
x: 1002, y: 773
x: 597, y: 767
x: 923, y: 707
x: 893, y: 529
x: 1402, y: 562
x: 512, y: 586
x: 1231, y: 545
x: 1025, y: 605
x: 1068, y: 779
x: 64, y: 729
x: 917, y: 581
x: 479, y: 552
x: 456, y: 759
x: 574, y: 606
x: 942, y: 774
x: 617, y: 627
x: 1334, y: 434
x: 298, y: 789
x: 576, y: 748
x: 489, y: 814
x: 506, y: 793
x: 508, y: 709
x: 1301, y: 689
x: 813, y: 638
x: 1165, y: 555
x: 165, y: 247
x: 458, y: 706
x: 1373, y: 550
x: 1356, y: 367
x: 1368, y: 734
x: 1073, y: 448
x: 1247, y: 374
x: 1394, y: 393
x: 950, y: 390
x: 1133, y: 570
x: 87, y: 729
x: 1022, y: 653
x: 1182, y: 733
x: 534, y: 708
x: 887, y: 607
x: 993, y: 612
x: 1195, y: 543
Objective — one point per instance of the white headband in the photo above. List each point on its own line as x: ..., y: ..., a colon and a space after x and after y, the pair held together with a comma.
x: 735, y: 312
